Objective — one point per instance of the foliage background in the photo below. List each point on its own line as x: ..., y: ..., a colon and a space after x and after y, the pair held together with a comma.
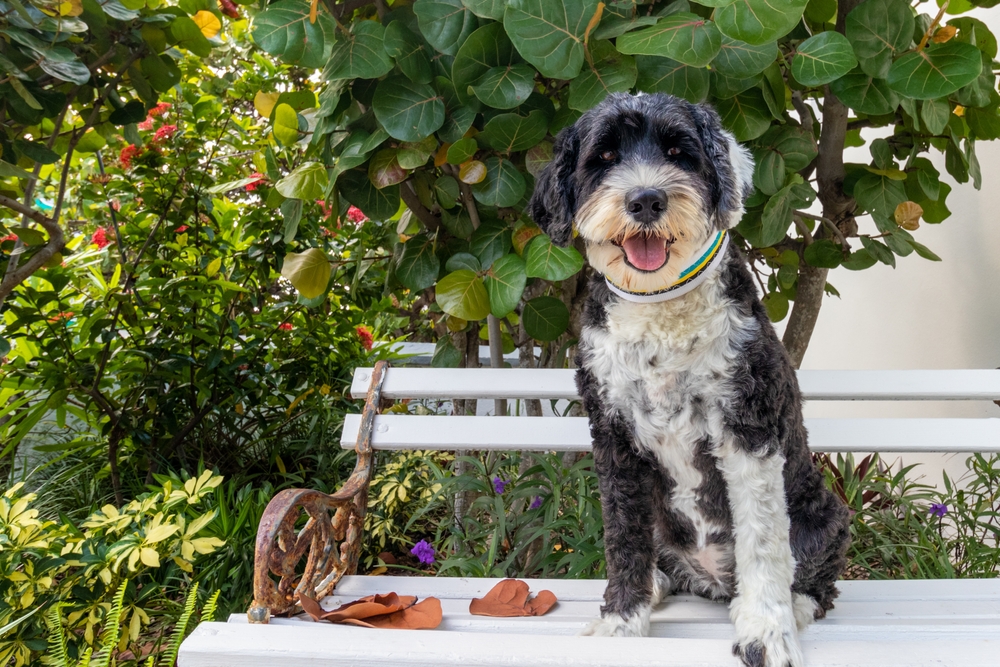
x: 209, y: 210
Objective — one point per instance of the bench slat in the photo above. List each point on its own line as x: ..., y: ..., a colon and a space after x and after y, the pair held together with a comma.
x: 316, y: 644
x: 408, y: 432
x: 490, y: 383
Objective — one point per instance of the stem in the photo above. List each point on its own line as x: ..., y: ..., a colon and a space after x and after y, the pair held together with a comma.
x: 496, y: 358
x: 933, y: 25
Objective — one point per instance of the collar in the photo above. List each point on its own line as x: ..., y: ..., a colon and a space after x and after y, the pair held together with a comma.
x: 695, y: 274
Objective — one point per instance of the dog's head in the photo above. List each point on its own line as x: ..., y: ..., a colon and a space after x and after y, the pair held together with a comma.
x: 646, y: 180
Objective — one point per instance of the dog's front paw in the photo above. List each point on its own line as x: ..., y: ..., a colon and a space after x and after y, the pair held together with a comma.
x: 766, y: 637
x: 614, y: 625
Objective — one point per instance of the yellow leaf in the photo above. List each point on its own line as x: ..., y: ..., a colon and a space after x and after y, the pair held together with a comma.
x: 149, y: 557
x: 264, y: 103
x: 183, y: 564
x: 472, y: 172
x: 206, y: 545
x: 17, y: 576
x: 313, y: 7
x: 160, y: 533
x: 959, y: 110
x: 71, y: 8
x: 594, y: 20
x: 134, y: 626
x: 908, y: 215
x: 944, y: 34
x: 187, y: 550
x: 105, y: 576
x: 325, y: 390
x: 297, y: 400
x: 213, y: 266
x: 208, y: 23
x: 239, y: 408
x: 441, y: 157
x: 133, y: 559
x: 280, y: 464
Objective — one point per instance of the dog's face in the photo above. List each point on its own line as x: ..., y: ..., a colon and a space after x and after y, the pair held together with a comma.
x: 647, y: 180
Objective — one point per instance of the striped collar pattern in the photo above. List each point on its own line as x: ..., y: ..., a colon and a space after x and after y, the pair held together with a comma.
x: 690, y: 278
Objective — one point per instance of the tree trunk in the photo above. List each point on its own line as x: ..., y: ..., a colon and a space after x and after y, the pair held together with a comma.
x: 837, y: 207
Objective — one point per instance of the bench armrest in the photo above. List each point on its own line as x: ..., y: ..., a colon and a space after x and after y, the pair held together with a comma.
x: 331, y: 537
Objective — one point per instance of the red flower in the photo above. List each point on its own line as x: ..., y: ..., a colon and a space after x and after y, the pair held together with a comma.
x: 285, y: 326
x: 146, y: 125
x: 228, y: 8
x: 181, y: 229
x: 61, y: 316
x: 164, y: 133
x: 100, y: 238
x: 254, y: 185
x: 127, y: 154
x: 115, y: 204
x: 9, y: 237
x: 327, y: 211
x: 355, y: 215
x: 365, y: 336
x: 159, y: 109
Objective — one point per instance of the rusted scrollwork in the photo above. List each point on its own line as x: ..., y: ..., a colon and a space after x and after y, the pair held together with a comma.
x: 331, y: 538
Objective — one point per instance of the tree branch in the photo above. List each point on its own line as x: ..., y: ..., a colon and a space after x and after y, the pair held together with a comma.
x: 412, y: 202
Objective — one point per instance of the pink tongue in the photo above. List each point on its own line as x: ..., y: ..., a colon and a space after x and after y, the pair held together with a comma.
x: 645, y: 253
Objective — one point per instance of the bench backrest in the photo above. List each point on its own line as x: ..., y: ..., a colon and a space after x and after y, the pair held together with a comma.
x: 551, y: 433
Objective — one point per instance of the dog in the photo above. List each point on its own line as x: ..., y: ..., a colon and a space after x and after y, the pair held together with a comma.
x: 707, y: 484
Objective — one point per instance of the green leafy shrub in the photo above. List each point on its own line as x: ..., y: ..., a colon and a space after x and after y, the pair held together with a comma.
x: 76, y: 570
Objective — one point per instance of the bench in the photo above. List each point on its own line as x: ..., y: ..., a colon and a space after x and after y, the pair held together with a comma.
x: 875, y: 623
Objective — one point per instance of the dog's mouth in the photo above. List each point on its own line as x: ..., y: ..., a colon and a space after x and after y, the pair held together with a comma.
x: 645, y: 252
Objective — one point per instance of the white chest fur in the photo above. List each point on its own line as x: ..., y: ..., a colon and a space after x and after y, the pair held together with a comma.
x: 664, y: 367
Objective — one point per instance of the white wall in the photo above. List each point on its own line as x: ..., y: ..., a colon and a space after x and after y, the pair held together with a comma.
x: 923, y: 314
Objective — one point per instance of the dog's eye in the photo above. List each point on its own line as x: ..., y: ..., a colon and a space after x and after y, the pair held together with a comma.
x: 673, y: 151
x: 609, y: 156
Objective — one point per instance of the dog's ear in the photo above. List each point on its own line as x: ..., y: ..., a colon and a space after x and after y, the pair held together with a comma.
x: 553, y: 203
x: 730, y: 167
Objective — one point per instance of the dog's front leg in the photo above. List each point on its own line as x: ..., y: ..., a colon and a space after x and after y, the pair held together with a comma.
x: 762, y: 611
x: 627, y: 482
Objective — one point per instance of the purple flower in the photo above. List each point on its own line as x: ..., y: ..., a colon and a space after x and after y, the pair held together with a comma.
x: 499, y: 485
x: 938, y: 509
x: 423, y: 551
x: 536, y: 503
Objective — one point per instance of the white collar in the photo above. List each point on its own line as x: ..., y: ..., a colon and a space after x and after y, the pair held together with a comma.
x: 708, y: 260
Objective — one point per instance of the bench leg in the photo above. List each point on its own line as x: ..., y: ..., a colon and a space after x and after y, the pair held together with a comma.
x: 331, y: 538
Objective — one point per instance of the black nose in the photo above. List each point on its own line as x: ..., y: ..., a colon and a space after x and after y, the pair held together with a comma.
x: 646, y: 205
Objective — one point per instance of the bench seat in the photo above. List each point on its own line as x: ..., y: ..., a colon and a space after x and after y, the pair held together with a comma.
x: 915, y: 622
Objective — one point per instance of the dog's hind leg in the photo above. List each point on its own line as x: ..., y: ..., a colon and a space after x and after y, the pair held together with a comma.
x: 763, y: 610
x: 627, y: 483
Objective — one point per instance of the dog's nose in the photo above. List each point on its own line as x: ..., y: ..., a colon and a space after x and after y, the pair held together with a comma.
x: 646, y: 205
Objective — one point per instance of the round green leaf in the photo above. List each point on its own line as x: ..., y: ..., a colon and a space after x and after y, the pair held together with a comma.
x: 447, y: 192
x: 794, y: 144
x: 865, y: 94
x: 549, y: 33
x: 505, y: 283
x: 746, y: 115
x: 74, y: 72
x: 462, y: 294
x: 879, y: 195
x: 937, y: 71
x: 724, y: 86
x: 160, y: 71
x: 503, y: 186
x: 611, y: 72
x: 663, y: 75
x: 759, y: 21
x: 824, y: 253
x: 823, y: 58
x: 739, y: 59
x: 4, y: 347
x: 408, y: 111
x: 684, y: 37
x: 187, y: 35
x: 505, y: 87
x: 509, y: 132
x: 408, y: 51
x: 377, y: 204
x: 878, y: 29
x: 462, y: 150
x: 776, y: 305
x: 935, y: 115
x: 361, y: 55
x: 859, y: 261
x: 384, y: 169
x: 418, y: 266
x: 284, y: 30
x: 777, y: 216
x: 769, y: 172
x: 545, y: 318
x: 458, y: 116
x: 307, y: 181
x: 446, y: 24
x: 546, y: 260
x: 490, y: 242
x: 286, y: 125
x: 485, y: 49
x: 309, y: 272
x: 463, y: 260
x: 487, y: 9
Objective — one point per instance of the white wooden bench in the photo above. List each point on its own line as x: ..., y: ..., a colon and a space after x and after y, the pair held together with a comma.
x: 875, y: 623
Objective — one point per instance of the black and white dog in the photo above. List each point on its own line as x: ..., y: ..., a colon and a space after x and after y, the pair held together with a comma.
x: 706, y: 481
